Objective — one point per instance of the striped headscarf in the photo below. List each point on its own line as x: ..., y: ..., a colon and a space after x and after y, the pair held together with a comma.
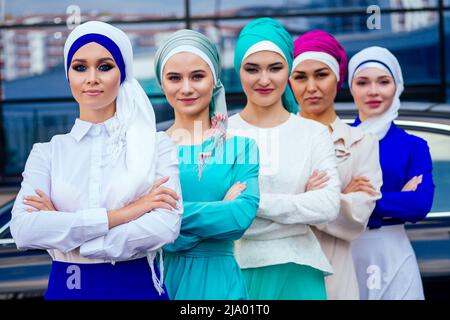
x: 194, y: 42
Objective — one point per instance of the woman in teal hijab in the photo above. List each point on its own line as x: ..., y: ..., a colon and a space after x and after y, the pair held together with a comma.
x: 279, y: 255
x: 267, y: 34
x: 218, y: 173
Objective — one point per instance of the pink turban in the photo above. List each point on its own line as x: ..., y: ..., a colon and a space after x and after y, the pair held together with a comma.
x: 321, y: 41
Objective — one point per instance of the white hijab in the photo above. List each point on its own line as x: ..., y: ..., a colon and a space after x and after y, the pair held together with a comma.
x: 383, y: 59
x: 136, y: 119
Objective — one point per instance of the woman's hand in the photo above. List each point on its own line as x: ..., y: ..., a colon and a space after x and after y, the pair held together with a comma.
x: 235, y: 190
x: 360, y: 184
x: 412, y: 184
x: 158, y: 197
x: 317, y: 180
x: 39, y: 202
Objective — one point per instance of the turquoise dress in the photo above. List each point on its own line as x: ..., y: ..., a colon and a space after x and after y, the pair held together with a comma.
x: 200, y: 264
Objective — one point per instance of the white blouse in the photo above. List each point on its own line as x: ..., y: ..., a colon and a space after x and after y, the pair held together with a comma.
x: 289, y: 153
x: 75, y: 170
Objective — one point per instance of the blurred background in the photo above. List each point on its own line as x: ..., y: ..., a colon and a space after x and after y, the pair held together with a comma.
x: 36, y: 103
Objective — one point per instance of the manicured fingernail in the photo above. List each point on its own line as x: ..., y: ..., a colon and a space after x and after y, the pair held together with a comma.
x: 25, y: 200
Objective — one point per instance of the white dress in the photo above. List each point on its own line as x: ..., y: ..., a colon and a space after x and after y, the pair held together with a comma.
x: 280, y: 233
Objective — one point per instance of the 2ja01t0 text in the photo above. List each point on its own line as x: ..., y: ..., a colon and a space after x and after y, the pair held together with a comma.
x: 228, y: 310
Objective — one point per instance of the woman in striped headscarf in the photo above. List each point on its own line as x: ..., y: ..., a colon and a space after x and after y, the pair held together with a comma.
x: 218, y: 172
x: 279, y: 254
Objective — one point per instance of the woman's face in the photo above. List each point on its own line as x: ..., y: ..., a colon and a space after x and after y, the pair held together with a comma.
x: 315, y: 86
x: 94, y: 78
x: 264, y: 76
x: 373, y: 91
x: 188, y: 83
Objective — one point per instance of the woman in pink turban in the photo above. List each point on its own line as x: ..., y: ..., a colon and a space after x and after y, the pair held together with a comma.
x: 319, y: 69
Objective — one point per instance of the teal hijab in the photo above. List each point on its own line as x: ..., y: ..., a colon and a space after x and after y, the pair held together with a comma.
x: 267, y: 29
x: 186, y: 40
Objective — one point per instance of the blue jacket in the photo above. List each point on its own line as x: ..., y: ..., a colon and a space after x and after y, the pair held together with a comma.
x: 402, y: 156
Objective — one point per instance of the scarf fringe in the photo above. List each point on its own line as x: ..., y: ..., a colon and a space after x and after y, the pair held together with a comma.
x: 157, y: 283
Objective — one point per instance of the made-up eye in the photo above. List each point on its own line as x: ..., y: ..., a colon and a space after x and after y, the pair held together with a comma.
x: 361, y: 83
x: 323, y: 74
x: 198, y: 76
x: 276, y: 68
x: 173, y: 77
x: 385, y: 81
x: 299, y: 76
x: 105, y: 67
x: 79, y: 67
x: 251, y: 69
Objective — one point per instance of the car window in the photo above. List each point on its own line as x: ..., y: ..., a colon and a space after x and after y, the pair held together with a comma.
x: 439, y: 145
x: 5, y: 217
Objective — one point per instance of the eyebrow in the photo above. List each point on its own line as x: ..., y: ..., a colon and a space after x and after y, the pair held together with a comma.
x: 257, y: 65
x: 318, y: 70
x: 275, y: 63
x: 177, y: 73
x: 168, y: 74
x: 99, y: 60
x: 380, y: 77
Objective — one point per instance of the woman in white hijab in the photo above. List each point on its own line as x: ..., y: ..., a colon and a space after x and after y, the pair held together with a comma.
x: 104, y: 198
x: 385, y: 262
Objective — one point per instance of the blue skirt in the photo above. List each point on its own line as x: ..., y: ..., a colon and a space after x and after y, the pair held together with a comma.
x: 127, y: 280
